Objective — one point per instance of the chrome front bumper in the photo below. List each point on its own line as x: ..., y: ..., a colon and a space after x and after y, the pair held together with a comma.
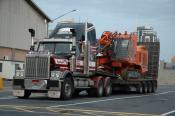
x: 35, y: 84
x: 53, y: 88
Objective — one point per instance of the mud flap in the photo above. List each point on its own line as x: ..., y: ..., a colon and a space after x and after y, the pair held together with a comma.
x: 18, y: 93
x: 54, y: 94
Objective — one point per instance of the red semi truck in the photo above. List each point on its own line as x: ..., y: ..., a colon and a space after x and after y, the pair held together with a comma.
x: 71, y: 60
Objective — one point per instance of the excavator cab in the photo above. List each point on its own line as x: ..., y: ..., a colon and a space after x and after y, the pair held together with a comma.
x: 120, y: 48
x: 124, y: 47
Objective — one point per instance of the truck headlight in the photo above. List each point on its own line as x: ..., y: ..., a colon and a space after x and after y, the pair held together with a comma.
x: 55, y: 75
x: 19, y: 74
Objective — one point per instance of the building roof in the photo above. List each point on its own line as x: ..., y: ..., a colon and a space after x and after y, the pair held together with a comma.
x: 36, y: 7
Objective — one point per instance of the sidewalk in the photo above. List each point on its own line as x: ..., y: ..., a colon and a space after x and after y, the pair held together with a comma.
x: 7, y: 89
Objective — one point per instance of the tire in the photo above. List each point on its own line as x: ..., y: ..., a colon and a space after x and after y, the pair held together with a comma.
x: 145, y: 87
x: 154, y: 87
x: 27, y: 94
x: 149, y: 87
x: 98, y: 91
x: 108, y: 88
x: 67, y: 89
x: 139, y: 89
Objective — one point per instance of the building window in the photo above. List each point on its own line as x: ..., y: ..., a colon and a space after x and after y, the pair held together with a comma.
x: 0, y: 67
x: 17, y: 67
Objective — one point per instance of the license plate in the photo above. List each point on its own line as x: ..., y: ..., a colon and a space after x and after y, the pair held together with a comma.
x: 35, y: 86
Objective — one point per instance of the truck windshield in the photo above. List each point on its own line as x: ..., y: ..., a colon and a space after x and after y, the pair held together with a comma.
x: 55, y: 48
x: 120, y: 47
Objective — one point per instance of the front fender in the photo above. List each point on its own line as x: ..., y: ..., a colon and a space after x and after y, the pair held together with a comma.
x: 66, y: 74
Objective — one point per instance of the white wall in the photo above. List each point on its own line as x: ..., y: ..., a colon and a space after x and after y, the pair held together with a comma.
x: 16, y: 17
x: 8, y: 69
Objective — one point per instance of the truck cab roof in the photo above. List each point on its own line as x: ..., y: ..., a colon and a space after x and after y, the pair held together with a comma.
x: 79, y: 28
x: 56, y: 40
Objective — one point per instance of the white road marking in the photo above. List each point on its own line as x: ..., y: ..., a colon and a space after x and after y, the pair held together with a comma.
x: 8, y: 97
x: 167, y: 113
x: 112, y: 99
x: 30, y: 107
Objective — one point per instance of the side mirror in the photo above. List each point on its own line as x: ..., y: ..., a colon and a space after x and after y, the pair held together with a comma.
x: 73, y: 50
x: 73, y: 32
x: 82, y: 38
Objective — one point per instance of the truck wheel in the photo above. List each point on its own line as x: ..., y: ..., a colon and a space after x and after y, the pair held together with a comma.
x: 139, y: 88
x: 27, y: 94
x: 145, y: 88
x: 108, y: 88
x: 67, y: 89
x: 149, y: 87
x: 99, y: 89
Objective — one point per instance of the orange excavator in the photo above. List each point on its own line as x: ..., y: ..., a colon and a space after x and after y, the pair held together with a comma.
x: 119, y: 54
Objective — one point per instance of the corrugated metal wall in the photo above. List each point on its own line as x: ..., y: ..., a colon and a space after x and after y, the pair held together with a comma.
x: 16, y: 17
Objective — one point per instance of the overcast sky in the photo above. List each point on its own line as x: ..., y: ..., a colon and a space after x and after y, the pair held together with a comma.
x: 120, y: 15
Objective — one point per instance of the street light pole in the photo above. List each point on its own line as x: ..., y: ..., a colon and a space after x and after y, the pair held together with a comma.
x: 63, y: 15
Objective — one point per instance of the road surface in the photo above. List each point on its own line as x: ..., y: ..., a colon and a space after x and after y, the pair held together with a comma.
x: 161, y: 103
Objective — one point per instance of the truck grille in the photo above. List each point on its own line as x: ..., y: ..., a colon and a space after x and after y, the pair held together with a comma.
x: 37, y: 67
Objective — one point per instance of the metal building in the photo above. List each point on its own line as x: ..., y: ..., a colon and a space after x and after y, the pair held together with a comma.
x: 148, y: 38
x: 16, y: 17
x: 147, y: 34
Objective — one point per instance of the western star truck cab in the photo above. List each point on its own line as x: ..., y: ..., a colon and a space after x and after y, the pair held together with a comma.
x: 60, y: 65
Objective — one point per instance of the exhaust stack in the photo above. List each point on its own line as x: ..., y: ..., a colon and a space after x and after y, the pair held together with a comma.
x: 73, y: 58
x: 87, y: 47
x: 32, y: 32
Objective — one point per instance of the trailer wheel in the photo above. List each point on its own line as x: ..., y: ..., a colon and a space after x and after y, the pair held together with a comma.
x: 139, y: 88
x: 67, y: 89
x: 149, y: 87
x: 108, y: 88
x: 145, y: 87
x: 98, y: 91
x: 27, y: 94
x: 154, y: 87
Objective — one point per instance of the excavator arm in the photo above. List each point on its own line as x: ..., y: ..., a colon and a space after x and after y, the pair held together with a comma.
x: 105, y: 39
